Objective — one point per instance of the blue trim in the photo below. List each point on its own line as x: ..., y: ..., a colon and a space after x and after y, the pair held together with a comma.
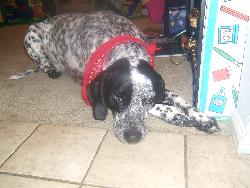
x: 207, y: 53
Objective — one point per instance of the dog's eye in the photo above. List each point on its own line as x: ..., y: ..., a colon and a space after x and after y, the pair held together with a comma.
x: 118, y: 99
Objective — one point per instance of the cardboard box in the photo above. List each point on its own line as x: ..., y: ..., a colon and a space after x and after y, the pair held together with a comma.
x: 225, y: 34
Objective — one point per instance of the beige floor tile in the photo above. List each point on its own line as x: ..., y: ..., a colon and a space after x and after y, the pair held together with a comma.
x: 60, y: 152
x: 212, y: 162
x: 95, y: 186
x: 12, y: 134
x: 158, y: 161
x: 7, y: 181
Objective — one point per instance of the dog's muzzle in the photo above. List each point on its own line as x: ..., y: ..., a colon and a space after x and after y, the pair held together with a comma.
x: 130, y: 132
x: 132, y: 135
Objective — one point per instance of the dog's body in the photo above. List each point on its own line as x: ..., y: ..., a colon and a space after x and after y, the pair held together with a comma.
x: 65, y: 42
x: 128, y: 85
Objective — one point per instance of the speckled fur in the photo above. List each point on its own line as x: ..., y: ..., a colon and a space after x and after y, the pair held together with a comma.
x: 177, y: 111
x: 64, y: 43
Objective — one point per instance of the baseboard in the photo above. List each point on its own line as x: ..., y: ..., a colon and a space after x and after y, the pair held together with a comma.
x: 241, y: 136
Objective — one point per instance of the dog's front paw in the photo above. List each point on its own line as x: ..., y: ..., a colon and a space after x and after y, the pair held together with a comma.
x: 202, y: 122
x: 212, y: 126
x: 209, y: 126
x: 53, y: 73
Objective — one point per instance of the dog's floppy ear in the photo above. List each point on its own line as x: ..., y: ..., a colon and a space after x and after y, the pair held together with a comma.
x: 94, y: 92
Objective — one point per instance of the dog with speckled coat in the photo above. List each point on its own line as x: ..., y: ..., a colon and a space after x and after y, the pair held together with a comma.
x: 125, y: 82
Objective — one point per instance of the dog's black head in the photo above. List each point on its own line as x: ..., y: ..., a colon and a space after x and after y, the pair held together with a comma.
x: 129, y: 92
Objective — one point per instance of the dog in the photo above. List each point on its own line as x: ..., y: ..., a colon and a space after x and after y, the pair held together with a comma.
x: 112, y: 59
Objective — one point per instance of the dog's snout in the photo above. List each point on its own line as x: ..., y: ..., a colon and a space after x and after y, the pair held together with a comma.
x: 132, y: 135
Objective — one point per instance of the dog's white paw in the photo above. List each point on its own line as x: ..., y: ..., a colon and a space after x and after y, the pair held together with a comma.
x: 210, y: 127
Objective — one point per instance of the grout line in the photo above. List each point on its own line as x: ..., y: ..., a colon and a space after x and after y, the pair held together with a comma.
x: 20, y: 145
x: 39, y: 178
x: 99, y: 186
x: 181, y: 133
x: 92, y: 161
x: 185, y: 162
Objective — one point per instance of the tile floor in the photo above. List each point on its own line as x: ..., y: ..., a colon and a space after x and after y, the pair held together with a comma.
x: 47, y: 156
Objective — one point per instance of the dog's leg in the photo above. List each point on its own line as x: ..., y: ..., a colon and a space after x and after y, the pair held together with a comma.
x: 35, y: 43
x: 172, y: 99
x: 176, y: 110
x: 170, y: 114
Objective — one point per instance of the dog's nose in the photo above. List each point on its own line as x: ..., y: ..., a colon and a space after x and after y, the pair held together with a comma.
x: 132, y: 135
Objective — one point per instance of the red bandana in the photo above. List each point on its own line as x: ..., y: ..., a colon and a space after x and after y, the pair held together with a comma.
x: 97, y: 59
